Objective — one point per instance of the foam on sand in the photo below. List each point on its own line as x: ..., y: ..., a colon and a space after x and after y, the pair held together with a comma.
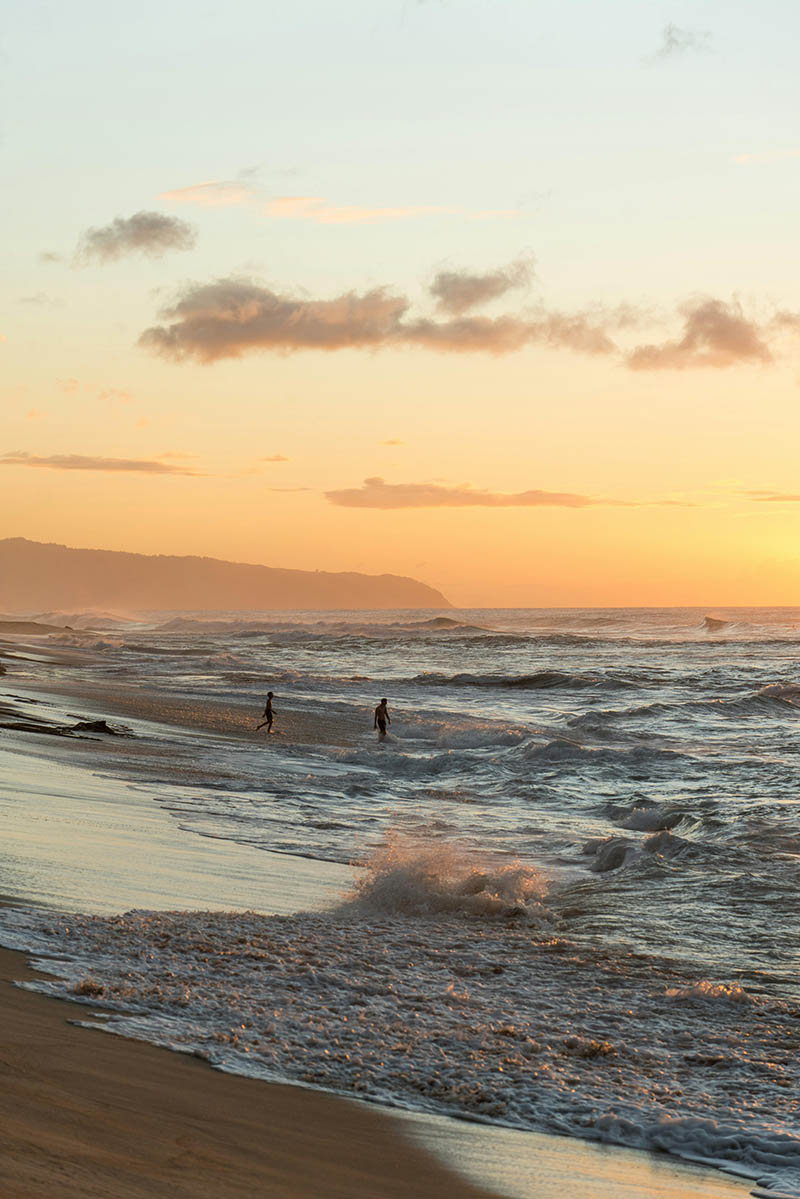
x: 441, y: 984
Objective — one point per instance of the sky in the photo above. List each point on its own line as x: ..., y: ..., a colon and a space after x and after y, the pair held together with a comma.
x: 503, y: 296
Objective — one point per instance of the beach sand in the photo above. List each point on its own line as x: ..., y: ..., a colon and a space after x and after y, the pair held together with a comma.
x: 84, y: 1113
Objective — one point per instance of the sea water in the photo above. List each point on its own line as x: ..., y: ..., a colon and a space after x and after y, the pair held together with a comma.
x: 579, y: 850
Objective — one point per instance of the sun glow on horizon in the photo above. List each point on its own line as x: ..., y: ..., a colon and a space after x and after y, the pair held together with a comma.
x: 519, y: 383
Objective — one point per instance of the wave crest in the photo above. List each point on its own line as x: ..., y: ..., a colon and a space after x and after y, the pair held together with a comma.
x: 411, y: 877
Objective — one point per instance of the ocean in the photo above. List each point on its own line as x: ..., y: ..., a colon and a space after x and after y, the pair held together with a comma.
x: 576, y: 863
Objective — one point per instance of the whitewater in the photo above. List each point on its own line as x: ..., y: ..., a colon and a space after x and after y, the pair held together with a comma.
x: 576, y: 863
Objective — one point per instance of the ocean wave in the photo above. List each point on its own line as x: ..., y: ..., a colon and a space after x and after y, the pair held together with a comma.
x: 86, y: 640
x: 645, y: 816
x: 762, y: 1153
x: 409, y: 876
x: 611, y: 853
x: 713, y: 624
x: 567, y: 750
x: 787, y: 693
x: 542, y: 680
x: 706, y: 991
x: 608, y: 853
x: 245, y: 626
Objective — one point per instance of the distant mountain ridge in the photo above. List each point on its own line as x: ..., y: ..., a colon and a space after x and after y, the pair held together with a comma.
x: 44, y: 576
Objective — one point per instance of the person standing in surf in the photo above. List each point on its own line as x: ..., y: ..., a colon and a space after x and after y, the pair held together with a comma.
x: 381, y: 719
x: 267, y: 715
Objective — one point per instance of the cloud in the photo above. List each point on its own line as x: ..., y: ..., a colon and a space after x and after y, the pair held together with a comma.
x: 233, y: 316
x: 238, y: 192
x: 393, y: 441
x: 321, y: 212
x: 149, y: 233
x: 784, y: 320
x: 50, y: 256
x: 680, y: 41
x: 377, y: 493
x: 274, y: 458
x: 456, y: 292
x: 714, y: 334
x: 505, y: 334
x: 215, y: 194
x: 84, y: 462
x: 773, y: 497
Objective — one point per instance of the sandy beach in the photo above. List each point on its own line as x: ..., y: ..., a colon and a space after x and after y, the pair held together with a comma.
x: 85, y: 1113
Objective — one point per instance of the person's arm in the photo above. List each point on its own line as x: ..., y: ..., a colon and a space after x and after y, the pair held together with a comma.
x: 375, y: 720
x: 388, y: 717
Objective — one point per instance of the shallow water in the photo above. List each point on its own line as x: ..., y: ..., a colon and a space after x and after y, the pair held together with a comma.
x: 580, y: 908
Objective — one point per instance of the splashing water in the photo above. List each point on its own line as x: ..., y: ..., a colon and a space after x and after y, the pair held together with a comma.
x: 409, y: 876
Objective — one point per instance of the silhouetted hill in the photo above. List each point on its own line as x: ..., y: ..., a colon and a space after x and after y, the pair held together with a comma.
x: 36, y: 576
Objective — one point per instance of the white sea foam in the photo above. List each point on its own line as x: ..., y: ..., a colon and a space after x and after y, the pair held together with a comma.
x: 409, y: 876
x: 714, y: 992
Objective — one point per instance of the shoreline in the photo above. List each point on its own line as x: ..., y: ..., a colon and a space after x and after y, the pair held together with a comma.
x: 86, y: 1114
x: 99, y: 1097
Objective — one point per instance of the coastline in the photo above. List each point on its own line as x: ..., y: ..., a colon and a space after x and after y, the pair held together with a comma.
x: 85, y: 1114
x: 81, y: 1113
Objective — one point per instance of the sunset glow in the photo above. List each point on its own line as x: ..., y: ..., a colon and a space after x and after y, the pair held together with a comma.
x: 522, y: 321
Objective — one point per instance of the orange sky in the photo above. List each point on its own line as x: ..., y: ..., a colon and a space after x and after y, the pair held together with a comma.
x: 569, y: 349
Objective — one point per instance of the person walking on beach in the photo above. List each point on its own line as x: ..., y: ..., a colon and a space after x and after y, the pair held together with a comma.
x: 267, y: 715
x: 381, y: 719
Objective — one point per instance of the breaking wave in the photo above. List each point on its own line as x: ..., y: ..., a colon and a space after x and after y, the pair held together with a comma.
x: 540, y: 681
x: 408, y: 876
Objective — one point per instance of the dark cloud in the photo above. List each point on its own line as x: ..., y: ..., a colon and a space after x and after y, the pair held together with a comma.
x: 377, y: 493
x: 234, y: 316
x: 714, y: 334
x: 680, y: 41
x: 149, y: 233
x: 504, y: 334
x: 86, y: 462
x: 50, y: 256
x: 456, y: 292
